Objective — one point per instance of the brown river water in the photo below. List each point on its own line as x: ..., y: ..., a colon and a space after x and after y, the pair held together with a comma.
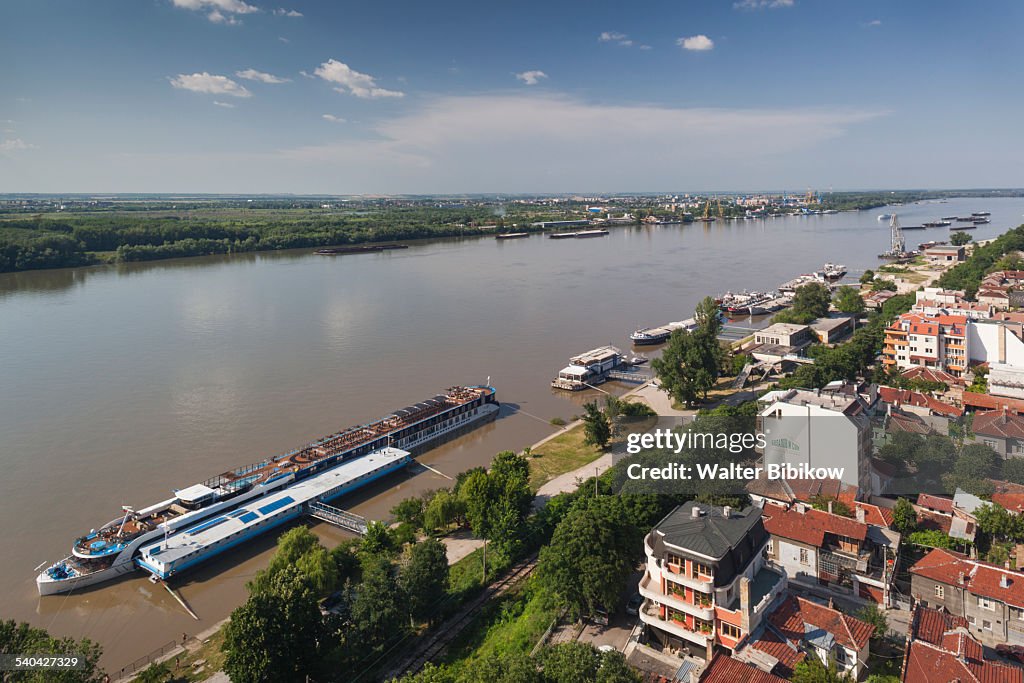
x: 121, y: 383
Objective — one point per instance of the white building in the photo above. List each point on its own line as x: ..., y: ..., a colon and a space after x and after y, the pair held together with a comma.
x: 827, y: 428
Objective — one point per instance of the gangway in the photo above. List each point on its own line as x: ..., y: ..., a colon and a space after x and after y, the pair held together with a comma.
x: 637, y: 377
x: 338, y: 517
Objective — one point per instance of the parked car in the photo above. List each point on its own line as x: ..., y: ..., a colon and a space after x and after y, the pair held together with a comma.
x: 633, y: 606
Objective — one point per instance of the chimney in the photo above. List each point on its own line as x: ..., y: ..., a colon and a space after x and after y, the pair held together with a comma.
x: 801, y: 507
x: 861, y: 515
x: 727, y: 512
x: 830, y: 507
x: 695, y: 512
x: 745, y: 607
x: 1004, y: 581
x: 961, y: 578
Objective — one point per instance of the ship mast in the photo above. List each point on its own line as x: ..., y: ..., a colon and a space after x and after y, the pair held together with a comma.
x: 898, y: 243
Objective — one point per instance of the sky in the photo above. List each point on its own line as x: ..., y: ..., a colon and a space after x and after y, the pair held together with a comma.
x: 410, y: 97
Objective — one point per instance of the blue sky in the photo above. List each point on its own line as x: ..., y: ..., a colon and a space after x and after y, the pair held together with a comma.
x: 383, y: 97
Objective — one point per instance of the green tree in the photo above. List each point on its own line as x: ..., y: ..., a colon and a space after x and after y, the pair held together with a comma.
x: 1013, y: 470
x: 596, y: 427
x: 811, y: 670
x: 871, y: 614
x: 848, y: 300
x: 277, y: 634
x: 424, y: 576
x: 591, y: 554
x: 904, y: 519
x: 959, y: 238
x: 810, y: 301
x: 510, y: 667
x: 614, y: 669
x: 299, y: 548
x: 410, y: 511
x: 979, y: 384
x: 570, y: 663
x: 867, y: 277
x: 378, y: 539
x: 379, y: 609
x: 974, y: 467
x: 155, y: 673
x: 443, y: 510
x: 824, y: 502
x: 883, y: 285
x: 21, y: 638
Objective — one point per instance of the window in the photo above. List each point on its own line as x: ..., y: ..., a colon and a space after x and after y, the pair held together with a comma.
x: 940, y: 592
x: 803, y: 556
x: 696, y: 568
x: 970, y: 620
x: 675, y: 560
x: 986, y: 624
x: 729, y: 631
x: 990, y: 443
x: 702, y: 626
x: 985, y: 603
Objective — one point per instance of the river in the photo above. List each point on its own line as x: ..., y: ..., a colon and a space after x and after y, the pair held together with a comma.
x: 120, y: 383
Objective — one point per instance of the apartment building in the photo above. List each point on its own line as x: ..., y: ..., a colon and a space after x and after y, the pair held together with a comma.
x: 989, y: 597
x: 817, y: 548
x: 828, y: 428
x: 938, y: 342
x: 706, y: 583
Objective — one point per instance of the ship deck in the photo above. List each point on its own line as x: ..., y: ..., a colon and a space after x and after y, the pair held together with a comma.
x: 345, y: 440
x: 192, y: 543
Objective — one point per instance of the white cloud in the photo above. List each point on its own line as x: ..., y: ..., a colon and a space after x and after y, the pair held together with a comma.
x: 875, y: 22
x: 698, y: 43
x: 531, y: 77
x: 261, y: 76
x: 763, y: 4
x: 220, y: 11
x: 333, y: 119
x: 426, y: 149
x: 210, y: 84
x: 615, y: 37
x: 283, y: 40
x: 645, y: 47
x: 14, y: 145
x: 351, y: 81
x: 226, y: 105
x: 282, y: 12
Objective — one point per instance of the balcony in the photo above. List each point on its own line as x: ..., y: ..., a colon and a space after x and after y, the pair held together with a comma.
x: 651, y: 590
x: 651, y: 616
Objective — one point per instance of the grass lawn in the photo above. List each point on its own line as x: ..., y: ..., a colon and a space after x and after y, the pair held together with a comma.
x: 564, y: 453
x: 512, y: 623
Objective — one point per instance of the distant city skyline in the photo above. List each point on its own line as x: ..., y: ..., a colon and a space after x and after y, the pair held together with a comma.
x: 304, y: 97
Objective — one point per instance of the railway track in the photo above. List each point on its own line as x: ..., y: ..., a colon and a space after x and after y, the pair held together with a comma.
x: 448, y: 631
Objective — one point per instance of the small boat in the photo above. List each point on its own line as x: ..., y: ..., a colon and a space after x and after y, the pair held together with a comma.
x: 965, y: 219
x: 511, y: 235
x: 981, y: 214
x: 980, y: 221
x: 591, y: 233
x: 884, y: 216
x: 929, y: 245
x: 936, y: 224
x: 949, y: 218
x: 834, y: 271
x: 561, y: 235
x: 638, y: 360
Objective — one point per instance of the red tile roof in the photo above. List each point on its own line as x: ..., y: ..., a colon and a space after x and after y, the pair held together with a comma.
x: 979, y: 578
x: 998, y: 423
x: 725, y: 669
x: 811, y: 526
x: 898, y: 397
x: 928, y: 663
x: 931, y: 375
x: 792, y: 490
x: 998, y: 403
x: 1014, y: 502
x: 792, y: 615
x: 931, y: 624
x: 786, y: 652
x: 927, y: 500
x: 874, y: 514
